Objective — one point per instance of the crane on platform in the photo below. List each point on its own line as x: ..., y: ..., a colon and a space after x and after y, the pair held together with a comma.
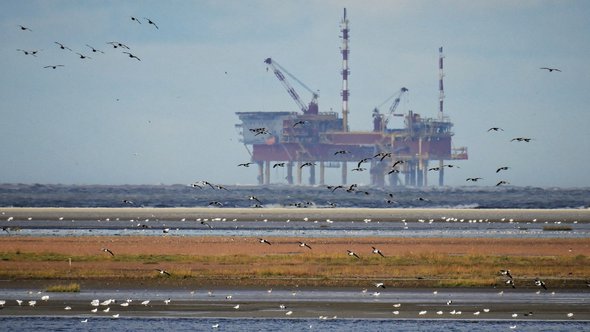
x: 278, y: 70
x: 383, y: 120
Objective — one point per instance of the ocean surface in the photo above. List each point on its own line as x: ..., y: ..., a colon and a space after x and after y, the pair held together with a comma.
x: 246, y: 325
x: 40, y: 195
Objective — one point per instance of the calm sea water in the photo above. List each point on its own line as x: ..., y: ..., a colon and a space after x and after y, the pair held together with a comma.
x: 20, y: 195
x: 198, y: 324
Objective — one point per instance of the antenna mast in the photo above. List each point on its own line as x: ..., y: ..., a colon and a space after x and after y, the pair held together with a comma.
x: 345, y: 71
x: 441, y: 95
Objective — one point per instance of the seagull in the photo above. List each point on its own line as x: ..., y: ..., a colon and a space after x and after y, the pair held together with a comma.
x: 215, y: 325
x: 264, y: 241
x: 336, y: 187
x: 94, y: 50
x: 135, y: 19
x: 23, y: 28
x: 84, y: 320
x: 503, y: 168
x: 540, y: 283
x: 352, y: 254
x: 237, y: 306
x: 145, y: 303
x: 501, y: 183
x: 53, y: 66
x: 163, y: 272
x: 82, y: 56
x: 550, y: 69
x: 108, y: 250
x: 151, y: 22
x: 474, y: 179
x: 495, y: 129
x: 116, y: 315
x: 132, y: 56
x: 45, y: 298
x: 62, y: 46
x: 220, y: 187
x: 245, y: 164
x: 377, y: 251
x: 303, y: 244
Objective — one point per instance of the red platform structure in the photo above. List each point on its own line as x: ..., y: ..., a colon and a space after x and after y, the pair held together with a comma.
x: 313, y: 139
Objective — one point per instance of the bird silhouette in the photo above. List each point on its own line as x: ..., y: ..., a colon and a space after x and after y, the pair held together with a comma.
x: 378, y: 252
x: 23, y: 28
x: 495, y: 129
x: 503, y: 168
x: 352, y: 254
x: 82, y: 56
x: 521, y: 139
x: 151, y: 22
x: 94, y: 50
x: 132, y: 56
x: 118, y: 44
x: 303, y: 244
x: 341, y: 152
x: 135, y: 19
x: 245, y: 164
x: 33, y: 53
x: 53, y: 66
x: 108, y: 250
x: 264, y: 241
x: 550, y: 69
x: 254, y: 198
x: 300, y: 122
x: 364, y: 160
x: 163, y: 272
x: 501, y: 183
x: 474, y: 179
x: 278, y: 165
x: 307, y: 164
x: 62, y: 46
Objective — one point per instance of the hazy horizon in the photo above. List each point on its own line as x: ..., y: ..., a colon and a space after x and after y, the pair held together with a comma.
x: 169, y: 118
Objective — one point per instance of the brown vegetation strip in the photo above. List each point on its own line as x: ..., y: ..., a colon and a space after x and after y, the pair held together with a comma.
x: 245, y: 261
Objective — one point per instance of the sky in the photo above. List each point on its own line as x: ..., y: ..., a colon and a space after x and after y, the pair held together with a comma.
x: 170, y: 117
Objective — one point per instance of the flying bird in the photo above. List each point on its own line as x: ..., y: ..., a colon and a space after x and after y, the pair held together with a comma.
x: 118, y: 44
x: 506, y: 273
x: 206, y: 224
x: 307, y: 164
x: 550, y: 69
x: 163, y: 272
x: 53, y: 66
x: 62, y: 46
x: 503, y: 168
x: 358, y: 169
x: 94, y: 50
x: 278, y: 165
x: 501, y: 183
x: 379, y: 285
x: 300, y: 122
x: 108, y: 250
x: 521, y: 139
x: 245, y: 164
x: 23, y: 28
x: 254, y: 198
x: 397, y: 162
x: 495, y: 129
x: 132, y: 56
x: 303, y: 244
x: 33, y: 53
x: 474, y: 179
x: 352, y: 254
x: 341, y: 152
x: 364, y: 160
x: 135, y: 19
x: 378, y: 252
x: 264, y: 241
x: 151, y: 22
x: 540, y: 283
x: 82, y: 56
x: 216, y: 203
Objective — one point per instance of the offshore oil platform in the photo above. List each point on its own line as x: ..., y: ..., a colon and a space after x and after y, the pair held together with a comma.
x: 311, y: 139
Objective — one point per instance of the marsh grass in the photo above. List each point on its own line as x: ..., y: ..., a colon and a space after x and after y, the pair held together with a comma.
x: 411, y: 270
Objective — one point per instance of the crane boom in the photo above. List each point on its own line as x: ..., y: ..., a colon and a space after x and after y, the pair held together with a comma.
x: 278, y: 71
x: 396, y: 101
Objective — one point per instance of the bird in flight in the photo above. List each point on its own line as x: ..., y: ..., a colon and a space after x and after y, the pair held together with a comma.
x: 135, y: 19
x: 397, y: 162
x: 132, y: 56
x: 245, y: 164
x: 506, y: 273
x: 521, y: 139
x: 23, y: 28
x: 33, y: 53
x: 364, y: 160
x: 62, y: 46
x: 495, y: 129
x: 474, y: 179
x: 163, y: 272
x: 540, y: 283
x: 254, y: 198
x: 550, y: 69
x: 53, y: 66
x: 206, y: 224
x: 378, y: 252
x: 341, y: 152
x: 307, y: 164
x: 151, y: 22
x: 118, y: 44
x: 303, y: 244
x: 383, y: 155
x: 394, y: 171
x: 501, y: 183
x: 278, y: 165
x: 216, y: 203
x: 503, y: 168
x: 108, y: 250
x: 379, y: 285
x: 264, y: 241
x: 82, y: 56
x: 358, y: 169
x: 94, y: 50
x: 352, y: 254
x: 300, y: 122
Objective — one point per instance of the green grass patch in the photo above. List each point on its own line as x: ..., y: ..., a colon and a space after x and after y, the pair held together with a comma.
x: 68, y: 288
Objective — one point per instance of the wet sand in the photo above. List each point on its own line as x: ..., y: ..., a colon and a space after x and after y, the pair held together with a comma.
x: 336, y: 214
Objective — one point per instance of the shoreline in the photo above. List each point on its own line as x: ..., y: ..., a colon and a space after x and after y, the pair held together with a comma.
x: 336, y: 214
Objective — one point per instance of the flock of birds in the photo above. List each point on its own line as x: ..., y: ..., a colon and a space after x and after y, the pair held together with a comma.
x: 89, y: 48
